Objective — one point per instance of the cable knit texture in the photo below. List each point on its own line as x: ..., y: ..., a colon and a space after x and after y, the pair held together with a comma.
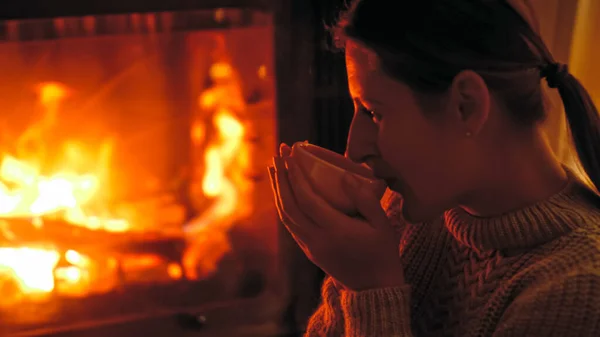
x: 532, y: 272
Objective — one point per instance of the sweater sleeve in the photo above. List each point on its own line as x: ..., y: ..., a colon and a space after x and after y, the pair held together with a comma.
x: 332, y: 319
x: 328, y: 320
x: 377, y: 312
x: 563, y: 306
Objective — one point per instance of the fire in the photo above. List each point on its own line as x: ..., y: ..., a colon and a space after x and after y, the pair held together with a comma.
x: 223, y: 179
x: 225, y: 157
x: 71, y: 192
x: 32, y: 267
x: 27, y: 190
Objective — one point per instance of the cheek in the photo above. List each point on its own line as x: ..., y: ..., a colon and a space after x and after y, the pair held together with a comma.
x: 407, y: 146
x: 419, y: 155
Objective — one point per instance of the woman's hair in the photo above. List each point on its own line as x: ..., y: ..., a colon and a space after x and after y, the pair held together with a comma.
x: 426, y: 43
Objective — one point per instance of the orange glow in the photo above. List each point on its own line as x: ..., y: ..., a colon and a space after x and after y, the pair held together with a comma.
x: 226, y: 162
x: 141, y: 261
x: 224, y: 157
x: 52, y: 93
x: 32, y: 267
x: 71, y: 274
x: 174, y: 271
x: 29, y: 191
x: 71, y: 193
x: 26, y: 192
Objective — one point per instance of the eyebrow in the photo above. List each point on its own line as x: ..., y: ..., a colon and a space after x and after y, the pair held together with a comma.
x: 371, y: 100
x: 366, y: 100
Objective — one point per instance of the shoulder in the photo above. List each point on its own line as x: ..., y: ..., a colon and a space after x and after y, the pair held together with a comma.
x: 569, y: 258
x: 559, y: 293
x: 579, y: 248
x: 564, y: 305
x: 572, y: 254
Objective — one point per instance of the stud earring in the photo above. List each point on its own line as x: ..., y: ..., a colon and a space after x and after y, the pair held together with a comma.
x: 468, y: 134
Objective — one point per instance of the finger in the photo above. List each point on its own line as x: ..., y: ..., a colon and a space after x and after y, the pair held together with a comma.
x: 317, y: 209
x: 297, y: 222
x: 275, y: 186
x: 367, y: 204
x: 281, y: 214
x: 284, y: 150
x: 275, y: 191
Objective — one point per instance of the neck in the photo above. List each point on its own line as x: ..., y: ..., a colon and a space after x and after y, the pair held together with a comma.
x: 522, y: 173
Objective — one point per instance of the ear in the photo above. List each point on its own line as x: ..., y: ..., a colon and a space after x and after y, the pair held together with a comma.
x: 470, y: 102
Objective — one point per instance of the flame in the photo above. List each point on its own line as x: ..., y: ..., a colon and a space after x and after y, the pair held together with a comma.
x: 27, y: 191
x: 32, y: 267
x: 72, y: 192
x: 174, y: 270
x: 36, y: 269
x: 223, y: 157
x: 225, y: 165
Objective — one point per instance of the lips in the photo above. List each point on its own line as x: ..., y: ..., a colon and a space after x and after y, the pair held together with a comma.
x: 382, y: 171
x: 390, y: 181
x: 394, y: 184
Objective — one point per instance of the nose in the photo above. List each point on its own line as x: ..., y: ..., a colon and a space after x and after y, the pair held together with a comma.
x: 362, y: 139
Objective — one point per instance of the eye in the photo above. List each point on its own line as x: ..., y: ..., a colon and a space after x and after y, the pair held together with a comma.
x: 375, y: 117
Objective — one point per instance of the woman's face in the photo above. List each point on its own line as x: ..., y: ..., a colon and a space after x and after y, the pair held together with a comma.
x: 423, y: 155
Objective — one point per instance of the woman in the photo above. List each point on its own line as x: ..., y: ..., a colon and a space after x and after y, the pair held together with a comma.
x: 499, y: 238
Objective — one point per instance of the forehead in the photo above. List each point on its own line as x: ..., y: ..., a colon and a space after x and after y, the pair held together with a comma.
x: 359, y: 57
x: 365, y: 79
x: 359, y: 63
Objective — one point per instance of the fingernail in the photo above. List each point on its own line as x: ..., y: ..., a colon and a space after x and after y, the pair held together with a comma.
x: 284, y: 150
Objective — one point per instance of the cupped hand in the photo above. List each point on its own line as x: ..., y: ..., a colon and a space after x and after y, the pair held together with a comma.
x: 358, y: 252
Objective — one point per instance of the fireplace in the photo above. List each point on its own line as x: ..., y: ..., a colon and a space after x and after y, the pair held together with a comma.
x: 133, y: 190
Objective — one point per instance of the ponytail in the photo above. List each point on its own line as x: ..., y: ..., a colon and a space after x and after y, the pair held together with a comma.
x: 582, y: 116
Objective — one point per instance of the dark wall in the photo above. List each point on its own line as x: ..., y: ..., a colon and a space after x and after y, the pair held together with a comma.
x: 332, y: 106
x: 52, y: 8
x: 318, y: 108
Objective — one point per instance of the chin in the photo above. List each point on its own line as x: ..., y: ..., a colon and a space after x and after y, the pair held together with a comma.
x: 415, y: 212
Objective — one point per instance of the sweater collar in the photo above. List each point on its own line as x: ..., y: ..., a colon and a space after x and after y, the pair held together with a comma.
x: 528, y: 227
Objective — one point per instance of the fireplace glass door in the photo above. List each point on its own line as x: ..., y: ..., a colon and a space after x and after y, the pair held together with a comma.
x: 132, y: 165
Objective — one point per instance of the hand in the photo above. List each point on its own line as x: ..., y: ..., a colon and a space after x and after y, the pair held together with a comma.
x: 359, y: 253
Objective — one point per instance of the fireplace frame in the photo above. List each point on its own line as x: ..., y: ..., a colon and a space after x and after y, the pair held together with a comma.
x: 293, y: 42
x: 294, y: 57
x: 59, y: 8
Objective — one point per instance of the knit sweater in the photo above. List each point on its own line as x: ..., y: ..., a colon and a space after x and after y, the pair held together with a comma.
x: 532, y: 272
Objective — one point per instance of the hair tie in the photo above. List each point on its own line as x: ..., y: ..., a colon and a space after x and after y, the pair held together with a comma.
x: 555, y: 74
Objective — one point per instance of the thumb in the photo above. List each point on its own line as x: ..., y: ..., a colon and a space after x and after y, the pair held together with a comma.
x: 367, y: 203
